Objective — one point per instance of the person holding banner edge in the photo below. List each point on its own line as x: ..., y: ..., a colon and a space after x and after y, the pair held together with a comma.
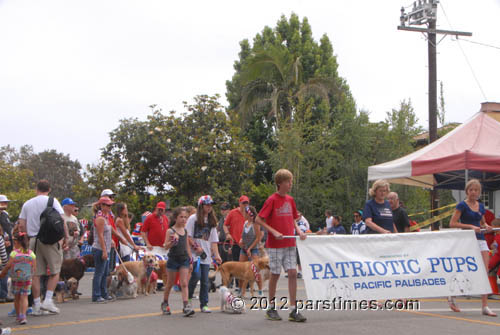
x: 278, y: 216
x: 469, y: 214
x: 377, y: 213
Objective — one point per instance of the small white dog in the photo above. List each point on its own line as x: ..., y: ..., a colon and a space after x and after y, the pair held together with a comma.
x: 230, y: 303
x: 123, y: 287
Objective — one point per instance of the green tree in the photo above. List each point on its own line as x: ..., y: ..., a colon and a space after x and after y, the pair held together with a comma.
x: 15, y: 182
x: 198, y: 153
x: 59, y: 169
x: 299, y: 113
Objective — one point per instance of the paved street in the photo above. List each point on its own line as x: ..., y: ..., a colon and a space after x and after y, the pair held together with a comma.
x: 142, y: 316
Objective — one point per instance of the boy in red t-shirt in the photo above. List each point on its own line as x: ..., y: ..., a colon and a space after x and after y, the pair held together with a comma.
x: 278, y: 216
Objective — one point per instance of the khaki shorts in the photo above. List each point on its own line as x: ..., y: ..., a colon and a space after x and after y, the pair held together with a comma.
x: 282, y: 257
x: 47, y: 256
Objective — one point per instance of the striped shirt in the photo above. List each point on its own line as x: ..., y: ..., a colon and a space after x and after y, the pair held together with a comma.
x: 3, y: 253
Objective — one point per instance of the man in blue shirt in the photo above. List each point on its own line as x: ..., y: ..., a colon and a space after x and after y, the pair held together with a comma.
x: 336, y: 227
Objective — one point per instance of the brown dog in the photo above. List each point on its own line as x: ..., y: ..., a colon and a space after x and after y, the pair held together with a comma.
x: 162, y: 271
x: 74, y: 268
x: 243, y: 271
x: 139, y: 270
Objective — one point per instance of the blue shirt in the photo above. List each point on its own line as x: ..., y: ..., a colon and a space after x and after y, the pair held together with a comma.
x: 381, y: 215
x: 468, y: 216
x: 358, y: 228
x: 336, y: 229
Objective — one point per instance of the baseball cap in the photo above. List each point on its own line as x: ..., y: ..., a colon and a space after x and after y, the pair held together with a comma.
x: 3, y: 198
x: 105, y: 200
x: 161, y: 205
x: 244, y: 198
x: 225, y: 206
x: 68, y: 201
x: 107, y: 192
x: 206, y: 200
x: 359, y: 211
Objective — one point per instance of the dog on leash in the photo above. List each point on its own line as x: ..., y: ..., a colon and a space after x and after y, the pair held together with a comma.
x: 229, y: 303
x: 246, y: 272
x: 75, y: 268
x: 139, y: 270
x: 122, y: 286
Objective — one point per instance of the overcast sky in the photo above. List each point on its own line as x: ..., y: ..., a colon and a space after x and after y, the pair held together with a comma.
x: 70, y: 70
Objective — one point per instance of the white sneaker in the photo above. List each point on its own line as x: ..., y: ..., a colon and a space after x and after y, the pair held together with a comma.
x: 37, y: 311
x: 5, y: 331
x: 49, y: 306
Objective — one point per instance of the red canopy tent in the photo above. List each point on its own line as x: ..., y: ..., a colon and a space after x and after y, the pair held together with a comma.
x: 472, y: 150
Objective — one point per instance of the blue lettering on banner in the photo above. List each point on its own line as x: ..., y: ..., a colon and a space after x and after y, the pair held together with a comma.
x: 452, y: 264
x: 380, y: 284
x: 356, y: 269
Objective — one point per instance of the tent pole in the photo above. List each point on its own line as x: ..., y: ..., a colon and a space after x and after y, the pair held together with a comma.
x: 367, y: 189
x: 466, y: 177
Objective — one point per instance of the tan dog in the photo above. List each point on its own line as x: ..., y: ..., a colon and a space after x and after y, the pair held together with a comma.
x: 162, y: 271
x: 72, y: 285
x: 138, y: 270
x: 243, y: 271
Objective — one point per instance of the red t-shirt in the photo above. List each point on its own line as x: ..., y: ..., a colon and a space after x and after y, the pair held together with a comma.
x: 235, y: 222
x: 280, y: 213
x: 155, y: 227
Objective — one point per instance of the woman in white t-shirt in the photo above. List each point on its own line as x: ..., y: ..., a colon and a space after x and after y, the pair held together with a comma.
x: 202, y: 232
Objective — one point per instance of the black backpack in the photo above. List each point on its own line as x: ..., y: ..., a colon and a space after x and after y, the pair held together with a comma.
x: 51, y: 224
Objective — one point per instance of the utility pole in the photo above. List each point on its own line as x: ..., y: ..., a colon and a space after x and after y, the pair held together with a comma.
x: 424, y: 12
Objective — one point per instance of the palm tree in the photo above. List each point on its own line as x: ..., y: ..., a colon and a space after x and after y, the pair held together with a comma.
x: 273, y: 77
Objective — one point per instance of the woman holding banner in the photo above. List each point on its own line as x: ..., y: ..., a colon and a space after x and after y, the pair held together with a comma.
x: 469, y: 214
x: 377, y: 213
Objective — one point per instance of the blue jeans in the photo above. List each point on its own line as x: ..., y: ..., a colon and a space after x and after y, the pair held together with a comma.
x: 201, y: 275
x: 99, y: 287
x: 3, y: 287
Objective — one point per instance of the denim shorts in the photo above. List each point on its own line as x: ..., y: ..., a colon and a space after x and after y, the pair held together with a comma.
x: 253, y: 252
x: 174, y: 264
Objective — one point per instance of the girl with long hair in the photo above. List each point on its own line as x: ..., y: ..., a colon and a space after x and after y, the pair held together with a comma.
x: 202, y: 232
x: 179, y: 260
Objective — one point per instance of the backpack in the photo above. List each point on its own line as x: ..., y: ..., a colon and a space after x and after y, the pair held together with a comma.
x: 51, y: 224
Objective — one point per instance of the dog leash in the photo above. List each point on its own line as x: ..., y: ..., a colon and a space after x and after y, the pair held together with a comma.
x: 129, y: 275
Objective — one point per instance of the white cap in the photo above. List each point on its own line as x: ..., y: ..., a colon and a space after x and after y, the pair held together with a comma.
x: 107, y: 192
x: 3, y: 198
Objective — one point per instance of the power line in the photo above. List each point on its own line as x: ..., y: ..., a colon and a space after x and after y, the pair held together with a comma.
x: 479, y: 43
x: 465, y: 56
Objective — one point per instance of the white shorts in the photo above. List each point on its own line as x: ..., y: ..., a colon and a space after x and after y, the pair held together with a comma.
x: 483, y: 246
x: 282, y: 257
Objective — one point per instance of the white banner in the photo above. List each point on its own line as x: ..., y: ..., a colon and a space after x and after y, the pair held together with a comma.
x: 393, y: 266
x: 160, y: 253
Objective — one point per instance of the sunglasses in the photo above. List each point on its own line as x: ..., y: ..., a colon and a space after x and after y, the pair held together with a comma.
x: 106, y: 205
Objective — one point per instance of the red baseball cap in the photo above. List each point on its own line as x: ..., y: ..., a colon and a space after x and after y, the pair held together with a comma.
x: 244, y: 198
x: 106, y: 201
x: 161, y: 205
